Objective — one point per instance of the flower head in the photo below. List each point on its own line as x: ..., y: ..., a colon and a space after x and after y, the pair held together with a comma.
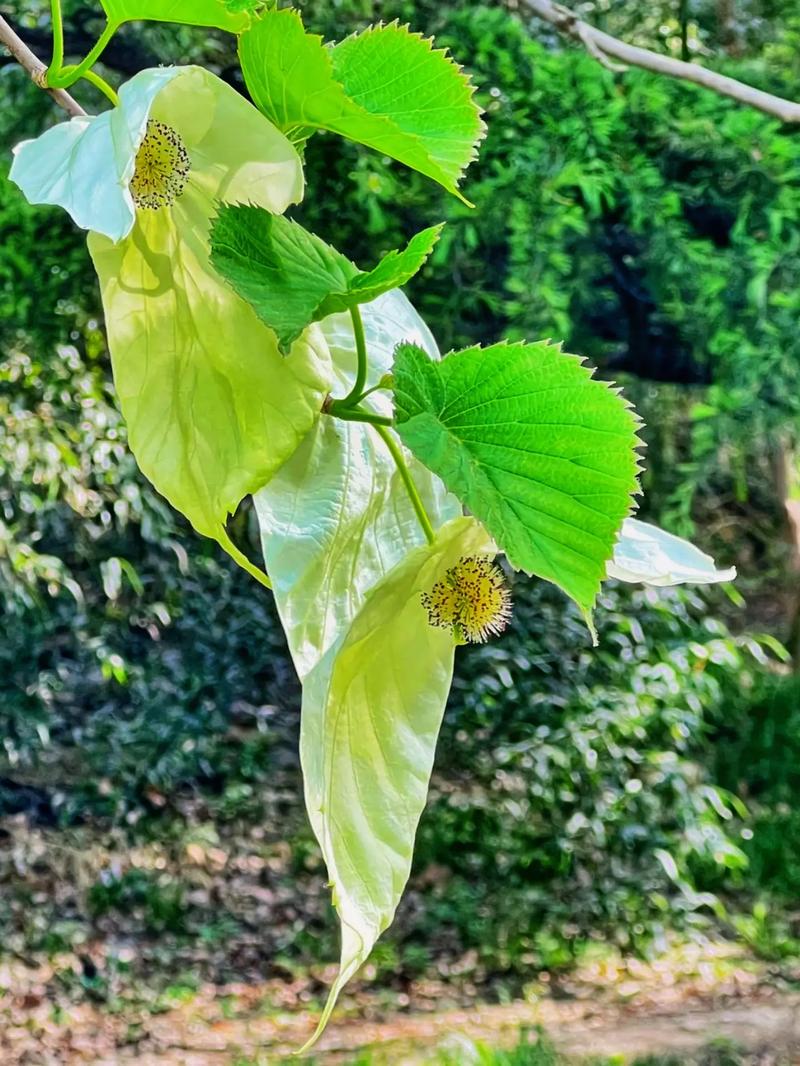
x: 177, y: 132
x: 473, y: 600
x: 162, y: 167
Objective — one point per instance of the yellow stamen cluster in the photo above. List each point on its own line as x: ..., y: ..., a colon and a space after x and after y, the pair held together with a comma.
x: 473, y: 600
x: 162, y: 168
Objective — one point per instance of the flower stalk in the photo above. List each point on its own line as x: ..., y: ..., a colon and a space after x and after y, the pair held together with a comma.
x: 408, y: 481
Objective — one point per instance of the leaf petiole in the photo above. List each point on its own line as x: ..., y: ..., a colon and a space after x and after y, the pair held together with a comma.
x: 102, y: 85
x: 339, y: 409
x: 408, y: 481
x: 382, y: 384
x: 60, y: 77
x: 57, y: 59
x: 348, y: 410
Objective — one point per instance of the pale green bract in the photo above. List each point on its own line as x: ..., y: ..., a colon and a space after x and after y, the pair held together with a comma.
x: 335, y: 521
x: 386, y: 88
x: 292, y: 278
x: 372, y: 711
x: 647, y: 554
x: 541, y: 452
x: 217, y: 13
x: 212, y: 408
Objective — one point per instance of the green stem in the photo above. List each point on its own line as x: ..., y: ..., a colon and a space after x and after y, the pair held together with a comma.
x: 102, y: 85
x: 58, y: 42
x: 369, y: 392
x: 408, y: 481
x: 339, y: 409
x: 63, y: 77
x: 352, y: 398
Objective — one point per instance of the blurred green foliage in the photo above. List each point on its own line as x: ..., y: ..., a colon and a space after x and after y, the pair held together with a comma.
x: 578, y: 795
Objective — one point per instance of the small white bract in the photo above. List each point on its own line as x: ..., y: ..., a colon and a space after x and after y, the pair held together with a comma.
x: 650, y: 555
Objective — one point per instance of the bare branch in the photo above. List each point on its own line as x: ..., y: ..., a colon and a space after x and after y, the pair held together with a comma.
x: 35, y: 67
x: 608, y: 49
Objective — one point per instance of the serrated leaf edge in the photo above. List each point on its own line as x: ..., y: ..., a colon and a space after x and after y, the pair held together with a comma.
x: 465, y: 76
x: 637, y: 423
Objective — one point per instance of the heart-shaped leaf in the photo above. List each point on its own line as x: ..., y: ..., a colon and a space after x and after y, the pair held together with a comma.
x: 386, y: 88
x: 292, y: 278
x: 540, y: 451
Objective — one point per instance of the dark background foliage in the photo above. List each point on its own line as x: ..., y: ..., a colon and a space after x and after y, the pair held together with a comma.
x: 618, y: 794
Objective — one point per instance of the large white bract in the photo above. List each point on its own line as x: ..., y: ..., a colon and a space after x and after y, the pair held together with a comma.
x: 212, y: 406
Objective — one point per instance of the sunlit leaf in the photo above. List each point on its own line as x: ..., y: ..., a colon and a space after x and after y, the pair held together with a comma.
x: 291, y: 277
x: 393, y: 271
x: 542, y: 453
x: 386, y: 88
x: 647, y: 554
x: 221, y: 14
x: 281, y: 269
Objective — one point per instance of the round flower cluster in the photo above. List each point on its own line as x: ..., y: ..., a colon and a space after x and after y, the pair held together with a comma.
x: 473, y: 600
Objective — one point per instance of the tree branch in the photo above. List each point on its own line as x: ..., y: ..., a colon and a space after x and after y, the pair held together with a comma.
x: 36, y: 68
x: 609, y: 51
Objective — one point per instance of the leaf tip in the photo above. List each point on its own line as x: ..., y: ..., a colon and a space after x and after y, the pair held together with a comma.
x: 589, y: 620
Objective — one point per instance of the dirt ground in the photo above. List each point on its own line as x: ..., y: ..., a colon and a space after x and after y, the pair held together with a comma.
x: 625, y: 1008
x: 769, y: 1029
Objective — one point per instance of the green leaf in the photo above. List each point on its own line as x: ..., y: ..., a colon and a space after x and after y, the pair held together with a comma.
x: 283, y: 271
x: 372, y: 710
x: 291, y: 277
x: 335, y: 520
x: 392, y: 272
x: 539, y: 451
x: 647, y: 554
x: 219, y: 13
x: 386, y: 88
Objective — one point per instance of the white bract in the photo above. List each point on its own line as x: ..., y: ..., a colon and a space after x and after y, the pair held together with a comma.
x: 651, y: 556
x: 337, y: 517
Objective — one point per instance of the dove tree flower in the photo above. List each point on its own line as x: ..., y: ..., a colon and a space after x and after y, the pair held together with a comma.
x: 243, y: 365
x: 213, y: 408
